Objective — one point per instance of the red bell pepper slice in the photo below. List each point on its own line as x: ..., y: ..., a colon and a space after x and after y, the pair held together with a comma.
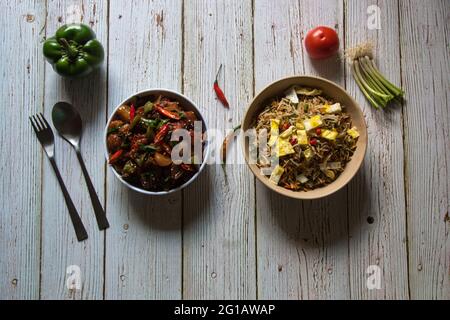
x: 162, y: 133
x: 167, y: 113
x: 115, y: 156
x: 132, y: 112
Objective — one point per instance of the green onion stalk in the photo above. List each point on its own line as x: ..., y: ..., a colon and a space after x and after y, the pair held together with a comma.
x: 375, y: 87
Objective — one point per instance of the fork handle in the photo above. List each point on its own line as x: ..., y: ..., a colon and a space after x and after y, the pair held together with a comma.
x: 80, y: 231
x: 100, y: 215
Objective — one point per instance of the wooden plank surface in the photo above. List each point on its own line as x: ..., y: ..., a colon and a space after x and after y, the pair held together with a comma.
x: 376, y: 195
x: 227, y: 237
x: 425, y: 61
x: 302, y: 245
x: 60, y: 248
x: 219, y: 235
x: 143, y: 245
x: 22, y: 78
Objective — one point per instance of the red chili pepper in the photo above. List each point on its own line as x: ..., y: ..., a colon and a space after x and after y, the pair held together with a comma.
x: 318, y: 131
x: 293, y: 141
x: 132, y: 112
x: 219, y: 93
x: 313, y: 141
x: 115, y: 156
x: 167, y: 113
x: 162, y: 133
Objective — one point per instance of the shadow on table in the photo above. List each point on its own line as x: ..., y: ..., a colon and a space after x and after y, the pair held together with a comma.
x: 165, y: 212
x: 388, y: 116
x: 156, y: 212
x: 88, y: 96
x: 197, y: 196
x: 330, y: 68
x: 323, y: 222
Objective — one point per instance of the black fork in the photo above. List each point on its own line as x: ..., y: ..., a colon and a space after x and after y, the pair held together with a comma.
x: 47, y: 140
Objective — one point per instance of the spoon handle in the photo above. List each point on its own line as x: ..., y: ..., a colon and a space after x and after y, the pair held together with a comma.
x: 98, y: 210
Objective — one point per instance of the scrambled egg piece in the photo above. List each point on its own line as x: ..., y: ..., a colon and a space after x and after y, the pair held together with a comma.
x: 300, y: 126
x: 312, y: 122
x: 292, y: 95
x: 283, y: 148
x: 302, y: 137
x: 353, y: 133
x: 330, y: 174
x: 334, y: 108
x: 329, y: 134
x: 308, y: 91
x: 274, y: 131
x: 302, y: 178
x: 308, y: 153
x: 276, y: 174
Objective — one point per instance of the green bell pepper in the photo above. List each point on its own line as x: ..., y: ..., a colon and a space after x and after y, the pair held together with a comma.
x: 74, y: 51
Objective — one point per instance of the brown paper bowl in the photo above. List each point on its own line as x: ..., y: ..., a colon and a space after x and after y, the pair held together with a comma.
x: 336, y: 93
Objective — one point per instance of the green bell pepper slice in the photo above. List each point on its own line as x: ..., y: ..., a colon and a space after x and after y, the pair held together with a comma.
x: 74, y: 51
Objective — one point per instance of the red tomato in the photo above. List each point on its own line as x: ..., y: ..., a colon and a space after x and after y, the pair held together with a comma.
x: 321, y: 42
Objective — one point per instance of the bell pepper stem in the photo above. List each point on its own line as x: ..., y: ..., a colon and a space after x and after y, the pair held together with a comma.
x: 71, y: 51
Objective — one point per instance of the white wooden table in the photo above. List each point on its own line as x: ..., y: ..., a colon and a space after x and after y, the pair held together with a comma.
x: 226, y: 239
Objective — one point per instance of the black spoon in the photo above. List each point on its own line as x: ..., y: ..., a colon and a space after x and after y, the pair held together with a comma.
x: 67, y: 122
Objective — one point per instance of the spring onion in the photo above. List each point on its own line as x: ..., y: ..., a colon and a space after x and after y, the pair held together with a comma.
x: 375, y: 87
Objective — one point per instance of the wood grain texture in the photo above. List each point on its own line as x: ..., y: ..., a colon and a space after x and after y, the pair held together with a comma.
x: 425, y: 63
x: 226, y: 237
x: 219, y: 235
x: 143, y: 245
x: 60, y: 247
x: 302, y: 245
x: 376, y: 195
x: 22, y: 77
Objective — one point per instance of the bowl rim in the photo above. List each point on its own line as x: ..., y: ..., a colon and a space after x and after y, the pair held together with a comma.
x: 205, y: 150
x: 303, y: 195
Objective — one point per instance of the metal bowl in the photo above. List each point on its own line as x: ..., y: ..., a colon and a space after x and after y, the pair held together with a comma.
x: 188, y: 105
